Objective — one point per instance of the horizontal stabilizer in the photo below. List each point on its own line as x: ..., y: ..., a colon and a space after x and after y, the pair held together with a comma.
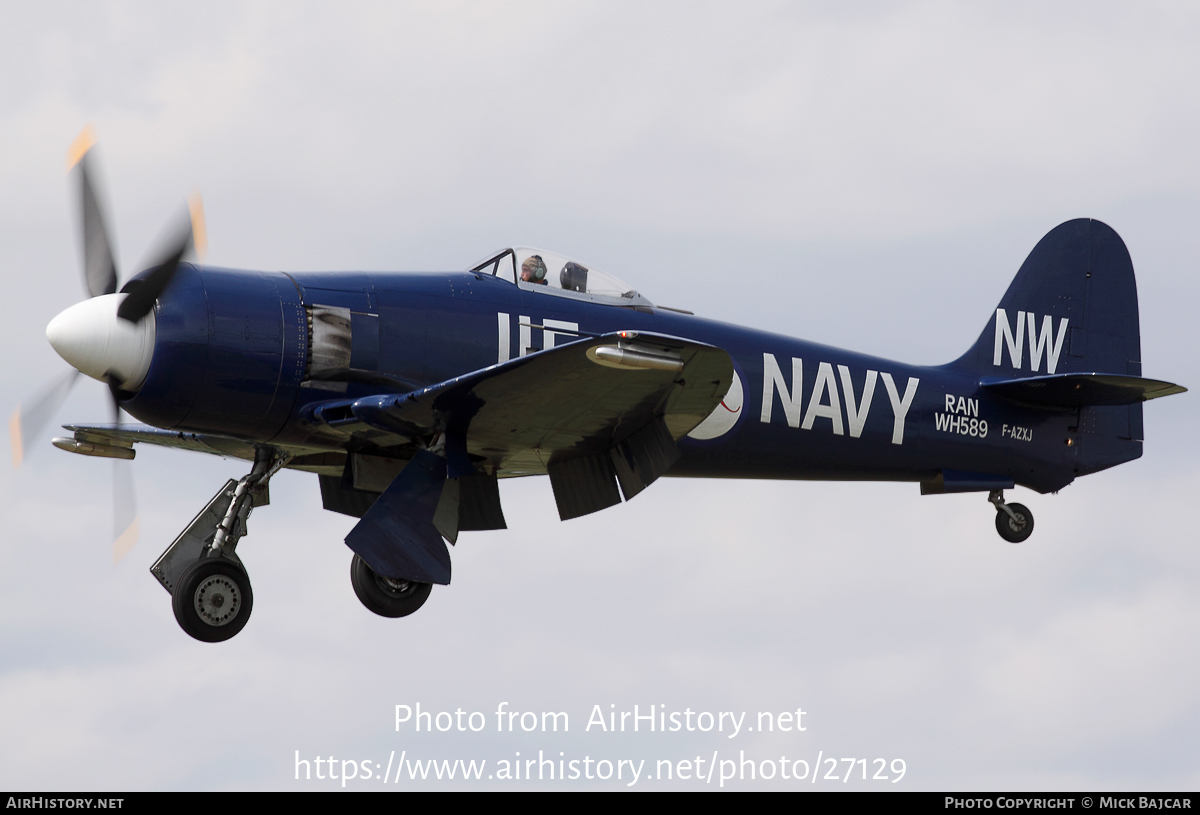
x: 1079, y: 389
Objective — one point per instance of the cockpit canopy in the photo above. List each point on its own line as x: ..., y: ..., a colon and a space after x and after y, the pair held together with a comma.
x: 538, y: 270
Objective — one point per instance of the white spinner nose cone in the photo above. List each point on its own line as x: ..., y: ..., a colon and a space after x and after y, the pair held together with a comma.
x: 91, y: 337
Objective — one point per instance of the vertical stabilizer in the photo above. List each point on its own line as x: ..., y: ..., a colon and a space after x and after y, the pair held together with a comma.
x: 1072, y: 308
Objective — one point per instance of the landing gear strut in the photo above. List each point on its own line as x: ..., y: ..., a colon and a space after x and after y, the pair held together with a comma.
x: 210, y: 590
x: 1014, y: 522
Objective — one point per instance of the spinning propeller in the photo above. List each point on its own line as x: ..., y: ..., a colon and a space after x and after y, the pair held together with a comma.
x: 109, y: 337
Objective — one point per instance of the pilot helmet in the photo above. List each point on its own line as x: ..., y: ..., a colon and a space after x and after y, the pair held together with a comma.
x: 536, y: 268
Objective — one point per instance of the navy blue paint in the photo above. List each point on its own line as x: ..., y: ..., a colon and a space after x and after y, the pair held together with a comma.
x: 396, y: 536
x: 959, y: 481
x: 180, y: 353
x: 293, y: 355
x: 350, y: 290
x: 434, y: 326
x: 1080, y: 270
x: 229, y: 354
x: 364, y: 336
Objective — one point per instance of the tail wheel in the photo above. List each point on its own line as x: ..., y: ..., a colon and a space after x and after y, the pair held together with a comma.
x: 386, y: 596
x: 212, y: 601
x: 1014, y: 530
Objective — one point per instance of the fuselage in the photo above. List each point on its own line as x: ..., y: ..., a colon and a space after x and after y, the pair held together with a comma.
x: 235, y: 352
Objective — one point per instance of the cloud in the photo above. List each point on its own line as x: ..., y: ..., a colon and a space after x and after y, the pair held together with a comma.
x: 870, y: 178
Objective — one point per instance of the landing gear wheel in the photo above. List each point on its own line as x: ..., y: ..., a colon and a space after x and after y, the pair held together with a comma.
x: 213, y: 599
x: 1014, y: 530
x: 385, y: 596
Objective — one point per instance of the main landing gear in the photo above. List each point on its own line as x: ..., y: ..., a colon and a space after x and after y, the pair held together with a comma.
x: 1014, y: 522
x: 210, y: 590
x: 383, y: 595
x: 213, y: 600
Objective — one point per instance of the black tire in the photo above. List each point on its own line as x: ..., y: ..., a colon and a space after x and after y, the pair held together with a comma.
x: 1014, y: 531
x: 213, y: 599
x: 385, y: 596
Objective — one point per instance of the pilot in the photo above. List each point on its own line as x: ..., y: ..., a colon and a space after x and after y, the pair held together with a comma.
x: 533, y: 270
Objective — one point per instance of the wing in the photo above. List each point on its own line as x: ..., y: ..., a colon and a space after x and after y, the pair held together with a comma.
x: 308, y: 458
x: 577, y: 400
x: 127, y: 434
x: 593, y: 414
x: 599, y: 415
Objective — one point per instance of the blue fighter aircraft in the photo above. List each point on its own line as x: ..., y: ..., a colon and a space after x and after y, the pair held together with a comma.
x: 410, y: 394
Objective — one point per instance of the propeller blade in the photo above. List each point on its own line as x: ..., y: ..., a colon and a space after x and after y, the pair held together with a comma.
x: 140, y: 300
x: 199, y: 228
x: 26, y: 424
x: 99, y: 267
x: 125, y: 515
x: 190, y: 237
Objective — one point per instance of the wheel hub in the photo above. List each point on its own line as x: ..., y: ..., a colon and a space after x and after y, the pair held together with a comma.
x: 218, y: 600
x: 394, y: 587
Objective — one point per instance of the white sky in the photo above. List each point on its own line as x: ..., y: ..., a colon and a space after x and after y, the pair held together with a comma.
x: 871, y: 179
